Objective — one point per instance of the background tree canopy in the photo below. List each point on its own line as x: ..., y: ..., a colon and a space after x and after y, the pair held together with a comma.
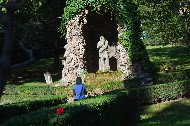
x: 165, y: 21
x: 36, y: 24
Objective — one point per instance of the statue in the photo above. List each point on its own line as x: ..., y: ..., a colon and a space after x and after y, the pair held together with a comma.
x: 48, y: 78
x: 103, y: 54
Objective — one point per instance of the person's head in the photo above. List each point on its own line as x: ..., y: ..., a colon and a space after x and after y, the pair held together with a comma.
x: 78, y: 80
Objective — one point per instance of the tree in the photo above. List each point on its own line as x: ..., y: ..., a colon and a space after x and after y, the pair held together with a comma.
x: 48, y: 16
x: 166, y: 20
x: 43, y: 23
x: 6, y: 20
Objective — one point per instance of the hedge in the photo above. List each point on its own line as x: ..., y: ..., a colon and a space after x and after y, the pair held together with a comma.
x: 161, y: 92
x: 10, y: 110
x: 116, y: 108
x: 112, y: 109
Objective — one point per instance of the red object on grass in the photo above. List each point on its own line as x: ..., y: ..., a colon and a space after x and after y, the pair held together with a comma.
x: 60, y: 111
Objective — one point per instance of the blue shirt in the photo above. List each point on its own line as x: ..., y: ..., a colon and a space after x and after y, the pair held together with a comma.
x: 78, y: 93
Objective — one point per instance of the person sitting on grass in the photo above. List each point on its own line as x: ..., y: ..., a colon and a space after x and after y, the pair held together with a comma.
x: 79, y: 89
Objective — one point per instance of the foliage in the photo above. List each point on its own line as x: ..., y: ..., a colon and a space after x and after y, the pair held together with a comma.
x: 36, y: 26
x: 165, y: 21
x: 30, y: 103
x: 101, y: 108
x: 57, y: 120
x: 161, y: 92
x: 95, y: 111
x: 109, y: 101
x: 132, y: 83
x: 127, y: 17
x: 41, y: 23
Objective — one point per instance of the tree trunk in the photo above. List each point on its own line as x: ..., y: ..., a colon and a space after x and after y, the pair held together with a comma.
x: 6, y: 51
x: 6, y: 19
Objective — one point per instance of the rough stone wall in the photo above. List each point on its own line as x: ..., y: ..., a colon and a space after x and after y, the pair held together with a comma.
x: 75, y: 48
x: 79, y: 42
x: 123, y: 62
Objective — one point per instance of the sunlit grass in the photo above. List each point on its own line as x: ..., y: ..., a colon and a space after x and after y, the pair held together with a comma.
x: 103, y: 77
x: 167, y: 114
x: 177, y: 56
x: 99, y: 82
x: 34, y: 84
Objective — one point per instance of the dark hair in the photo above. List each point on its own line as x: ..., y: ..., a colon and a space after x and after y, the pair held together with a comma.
x: 78, y: 80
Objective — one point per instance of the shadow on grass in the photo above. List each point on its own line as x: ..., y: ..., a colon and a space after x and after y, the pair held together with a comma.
x: 167, y: 114
x: 173, y: 52
x: 178, y: 53
x: 34, y: 72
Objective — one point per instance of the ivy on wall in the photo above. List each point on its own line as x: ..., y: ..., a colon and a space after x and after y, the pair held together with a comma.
x: 126, y: 15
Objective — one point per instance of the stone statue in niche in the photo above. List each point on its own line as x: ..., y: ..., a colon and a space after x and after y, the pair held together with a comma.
x: 102, y: 45
x: 48, y: 77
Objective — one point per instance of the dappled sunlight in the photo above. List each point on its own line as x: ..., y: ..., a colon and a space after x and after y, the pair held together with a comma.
x: 34, y: 72
x: 173, y: 113
x: 168, y: 52
x: 152, y: 110
x: 169, y: 58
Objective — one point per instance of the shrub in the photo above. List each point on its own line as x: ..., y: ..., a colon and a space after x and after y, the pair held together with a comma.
x: 132, y: 83
x: 162, y: 92
x: 10, y: 110
x: 113, y: 108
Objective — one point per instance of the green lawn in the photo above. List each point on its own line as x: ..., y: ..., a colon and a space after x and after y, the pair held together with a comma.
x: 177, y: 57
x: 175, y: 113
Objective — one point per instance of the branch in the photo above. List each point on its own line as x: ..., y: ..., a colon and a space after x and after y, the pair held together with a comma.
x: 22, y: 45
x: 29, y: 51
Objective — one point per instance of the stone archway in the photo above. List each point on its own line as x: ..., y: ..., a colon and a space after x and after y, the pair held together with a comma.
x: 84, y: 32
x: 103, y: 24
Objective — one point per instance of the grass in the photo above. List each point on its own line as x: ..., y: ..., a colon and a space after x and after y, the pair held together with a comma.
x: 168, y: 59
x: 31, y: 75
x: 176, y: 57
x: 33, y: 72
x: 176, y: 113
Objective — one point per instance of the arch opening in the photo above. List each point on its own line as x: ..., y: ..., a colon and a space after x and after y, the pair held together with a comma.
x: 98, y: 25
